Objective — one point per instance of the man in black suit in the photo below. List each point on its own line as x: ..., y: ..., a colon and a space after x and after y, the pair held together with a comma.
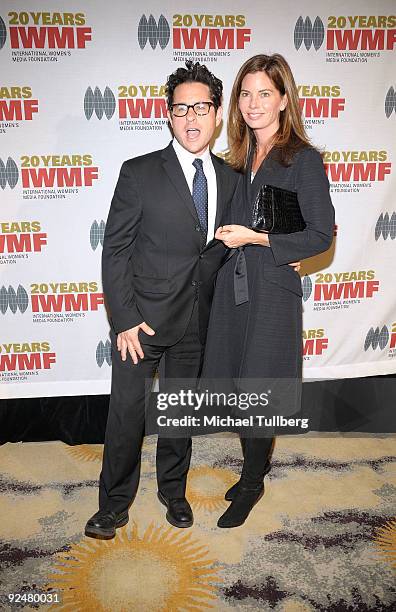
x: 160, y: 261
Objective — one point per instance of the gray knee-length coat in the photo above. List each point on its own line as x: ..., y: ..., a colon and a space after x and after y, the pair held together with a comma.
x: 262, y: 338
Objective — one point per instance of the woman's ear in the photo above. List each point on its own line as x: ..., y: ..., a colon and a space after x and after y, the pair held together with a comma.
x: 219, y: 115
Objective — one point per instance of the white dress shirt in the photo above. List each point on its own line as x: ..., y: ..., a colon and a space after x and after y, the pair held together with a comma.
x: 186, y: 161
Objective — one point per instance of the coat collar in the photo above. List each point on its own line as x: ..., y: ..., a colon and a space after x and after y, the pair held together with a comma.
x: 252, y: 187
x: 218, y: 165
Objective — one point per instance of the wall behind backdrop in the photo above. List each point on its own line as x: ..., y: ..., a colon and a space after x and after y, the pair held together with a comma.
x: 81, y: 90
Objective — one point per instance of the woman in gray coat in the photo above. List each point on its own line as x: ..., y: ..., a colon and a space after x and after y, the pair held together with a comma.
x: 255, y: 329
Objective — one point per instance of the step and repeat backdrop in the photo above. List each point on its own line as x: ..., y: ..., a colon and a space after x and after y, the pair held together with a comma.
x: 82, y: 89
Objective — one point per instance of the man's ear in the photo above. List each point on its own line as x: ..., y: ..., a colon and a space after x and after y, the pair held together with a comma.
x: 219, y: 115
x: 169, y: 115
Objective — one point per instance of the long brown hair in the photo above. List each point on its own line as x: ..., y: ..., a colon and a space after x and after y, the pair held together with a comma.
x: 291, y: 135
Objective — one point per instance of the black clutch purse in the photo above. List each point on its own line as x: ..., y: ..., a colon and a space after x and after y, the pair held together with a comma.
x: 277, y: 211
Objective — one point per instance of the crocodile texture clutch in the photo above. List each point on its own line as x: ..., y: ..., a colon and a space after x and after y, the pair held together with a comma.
x: 277, y: 211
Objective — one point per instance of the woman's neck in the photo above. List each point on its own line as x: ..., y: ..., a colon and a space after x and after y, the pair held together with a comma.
x: 262, y: 150
x: 264, y: 142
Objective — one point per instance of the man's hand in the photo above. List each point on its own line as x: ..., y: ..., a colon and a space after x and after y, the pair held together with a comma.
x: 129, y: 341
x: 296, y: 265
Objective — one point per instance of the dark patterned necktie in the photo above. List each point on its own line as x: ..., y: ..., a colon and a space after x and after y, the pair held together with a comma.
x: 200, y: 194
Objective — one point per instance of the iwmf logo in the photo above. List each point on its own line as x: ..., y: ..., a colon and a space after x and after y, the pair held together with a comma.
x: 22, y: 237
x: 347, y: 33
x: 52, y: 297
x: 195, y: 31
x: 25, y: 356
x: 315, y: 342
x: 49, y: 171
x: 133, y: 102
x: 44, y: 30
x: 341, y: 286
x: 17, y: 104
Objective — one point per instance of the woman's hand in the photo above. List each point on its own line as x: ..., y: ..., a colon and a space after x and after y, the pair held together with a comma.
x: 235, y: 236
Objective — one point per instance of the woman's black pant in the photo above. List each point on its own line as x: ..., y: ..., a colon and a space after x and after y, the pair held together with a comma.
x: 256, y: 456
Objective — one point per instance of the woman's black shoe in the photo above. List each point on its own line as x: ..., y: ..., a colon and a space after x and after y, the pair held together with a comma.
x: 240, y: 507
x: 232, y: 491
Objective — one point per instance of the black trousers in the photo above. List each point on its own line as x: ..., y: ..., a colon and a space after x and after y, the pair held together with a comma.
x: 120, y: 474
x: 256, y: 457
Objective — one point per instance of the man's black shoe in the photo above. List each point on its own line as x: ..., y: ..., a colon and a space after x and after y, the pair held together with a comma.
x: 232, y: 491
x: 237, y: 513
x: 179, y: 511
x: 104, y: 523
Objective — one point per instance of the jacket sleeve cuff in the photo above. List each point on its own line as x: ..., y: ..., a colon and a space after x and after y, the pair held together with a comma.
x: 125, y: 319
x: 276, y: 245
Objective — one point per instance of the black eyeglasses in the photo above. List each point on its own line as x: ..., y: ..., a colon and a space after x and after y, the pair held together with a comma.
x: 199, y: 108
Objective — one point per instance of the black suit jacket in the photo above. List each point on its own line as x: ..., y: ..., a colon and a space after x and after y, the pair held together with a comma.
x: 155, y: 260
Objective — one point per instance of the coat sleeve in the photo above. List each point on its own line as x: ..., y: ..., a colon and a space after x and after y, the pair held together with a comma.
x: 317, y: 210
x: 121, y: 231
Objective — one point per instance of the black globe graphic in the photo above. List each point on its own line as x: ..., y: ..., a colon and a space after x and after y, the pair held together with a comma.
x: 14, y: 300
x: 9, y: 173
x: 3, y: 33
x: 306, y: 287
x: 149, y: 30
x: 3, y: 300
x: 12, y: 172
x: 310, y: 34
x: 390, y: 102
x: 376, y: 338
x: 95, y: 101
x: 103, y: 353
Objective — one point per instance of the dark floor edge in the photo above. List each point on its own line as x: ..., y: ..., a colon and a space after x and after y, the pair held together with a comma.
x: 362, y: 405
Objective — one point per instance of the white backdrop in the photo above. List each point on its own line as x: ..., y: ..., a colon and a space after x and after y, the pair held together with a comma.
x: 82, y: 90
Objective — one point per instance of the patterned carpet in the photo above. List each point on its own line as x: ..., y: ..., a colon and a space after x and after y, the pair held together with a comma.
x: 322, y: 538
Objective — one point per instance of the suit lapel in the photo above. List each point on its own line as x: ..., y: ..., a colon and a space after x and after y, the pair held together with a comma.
x: 176, y: 176
x: 220, y: 203
x: 247, y: 178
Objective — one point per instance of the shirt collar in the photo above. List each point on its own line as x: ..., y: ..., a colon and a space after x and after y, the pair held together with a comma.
x: 188, y: 157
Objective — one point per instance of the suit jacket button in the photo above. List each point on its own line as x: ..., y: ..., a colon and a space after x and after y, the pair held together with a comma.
x: 194, y: 283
